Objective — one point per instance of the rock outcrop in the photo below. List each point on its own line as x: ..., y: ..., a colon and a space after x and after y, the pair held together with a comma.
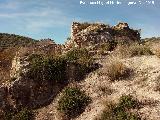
x: 22, y: 91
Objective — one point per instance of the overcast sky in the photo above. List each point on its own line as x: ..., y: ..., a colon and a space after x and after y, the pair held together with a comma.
x: 52, y: 18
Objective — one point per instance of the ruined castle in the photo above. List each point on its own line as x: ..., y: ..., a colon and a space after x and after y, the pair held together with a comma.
x: 94, y: 34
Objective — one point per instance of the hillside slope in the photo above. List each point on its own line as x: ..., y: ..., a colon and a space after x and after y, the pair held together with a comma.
x: 49, y: 82
x: 142, y: 85
x: 9, y: 44
x: 12, y: 40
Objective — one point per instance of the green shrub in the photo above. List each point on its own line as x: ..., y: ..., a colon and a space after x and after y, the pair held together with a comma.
x: 24, y: 114
x: 120, y: 111
x: 8, y: 115
x: 127, y: 101
x: 35, y: 57
x: 138, y: 50
x: 132, y: 49
x: 80, y: 56
x: 54, y: 69
x: 73, y: 102
x: 51, y: 69
x: 81, y: 71
x: 122, y: 51
x: 82, y: 61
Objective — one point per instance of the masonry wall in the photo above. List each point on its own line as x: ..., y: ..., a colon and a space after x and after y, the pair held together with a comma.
x: 91, y: 34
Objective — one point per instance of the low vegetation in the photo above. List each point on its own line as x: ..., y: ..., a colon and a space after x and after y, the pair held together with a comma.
x: 12, y: 40
x: 122, y: 51
x: 121, y: 110
x: 55, y: 68
x: 157, y: 87
x: 127, y: 101
x: 80, y: 56
x: 24, y: 114
x: 73, y: 102
x: 132, y: 50
x: 50, y: 69
x: 82, y: 61
x: 117, y: 70
x: 151, y: 40
x: 138, y: 50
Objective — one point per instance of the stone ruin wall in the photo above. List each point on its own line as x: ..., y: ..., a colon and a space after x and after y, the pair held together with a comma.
x: 123, y: 33
x: 86, y: 34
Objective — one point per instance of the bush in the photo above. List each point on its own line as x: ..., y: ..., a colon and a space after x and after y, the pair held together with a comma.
x: 132, y: 50
x: 138, y: 50
x: 156, y: 49
x: 117, y: 70
x: 73, y: 102
x: 50, y: 69
x: 80, y: 56
x: 8, y: 115
x: 82, y: 61
x: 24, y: 114
x: 56, y: 69
x: 120, y: 111
x: 127, y: 101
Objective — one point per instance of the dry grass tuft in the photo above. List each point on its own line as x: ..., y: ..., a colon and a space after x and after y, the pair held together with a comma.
x: 122, y: 51
x: 117, y: 70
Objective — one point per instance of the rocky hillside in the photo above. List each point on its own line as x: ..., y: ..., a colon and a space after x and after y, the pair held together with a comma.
x: 14, y: 45
x: 100, y: 73
x: 12, y: 40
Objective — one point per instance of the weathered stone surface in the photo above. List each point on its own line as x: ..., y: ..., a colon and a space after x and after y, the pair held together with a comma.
x: 89, y: 35
x: 23, y: 91
x: 121, y: 25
